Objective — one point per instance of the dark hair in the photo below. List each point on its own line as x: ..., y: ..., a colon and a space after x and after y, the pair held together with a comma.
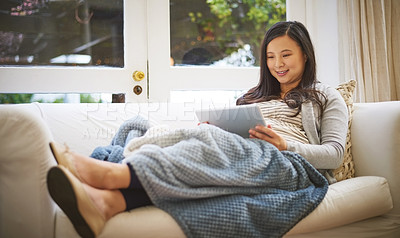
x: 268, y: 87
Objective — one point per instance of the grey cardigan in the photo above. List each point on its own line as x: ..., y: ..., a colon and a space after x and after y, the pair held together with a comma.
x: 326, y: 132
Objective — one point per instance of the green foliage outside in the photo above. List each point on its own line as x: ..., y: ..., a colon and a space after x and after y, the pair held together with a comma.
x: 232, y: 23
x: 247, y: 19
x: 261, y: 14
x: 15, y: 98
x: 87, y: 98
x: 10, y: 98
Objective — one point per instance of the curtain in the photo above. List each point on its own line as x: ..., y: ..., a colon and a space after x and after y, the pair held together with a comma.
x: 369, y: 47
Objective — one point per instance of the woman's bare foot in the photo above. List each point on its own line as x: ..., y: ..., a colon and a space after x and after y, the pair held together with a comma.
x: 100, y: 174
x: 108, y: 202
x: 96, y: 173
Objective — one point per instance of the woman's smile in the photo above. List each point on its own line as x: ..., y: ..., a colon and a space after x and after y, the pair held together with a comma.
x: 282, y: 73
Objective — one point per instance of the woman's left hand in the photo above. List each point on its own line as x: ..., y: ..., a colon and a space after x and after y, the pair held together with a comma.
x: 269, y: 135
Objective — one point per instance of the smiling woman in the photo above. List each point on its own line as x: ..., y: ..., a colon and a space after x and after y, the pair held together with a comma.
x: 286, y: 61
x: 288, y: 81
x: 300, y: 63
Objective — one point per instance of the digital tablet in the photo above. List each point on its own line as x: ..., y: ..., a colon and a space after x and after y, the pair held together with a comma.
x: 236, y: 119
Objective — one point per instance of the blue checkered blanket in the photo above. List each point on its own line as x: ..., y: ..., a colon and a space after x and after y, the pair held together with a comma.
x: 218, y: 184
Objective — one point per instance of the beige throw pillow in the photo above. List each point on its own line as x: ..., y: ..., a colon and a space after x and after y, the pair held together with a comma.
x: 346, y: 170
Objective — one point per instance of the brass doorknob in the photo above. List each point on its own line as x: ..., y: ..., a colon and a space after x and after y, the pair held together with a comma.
x: 138, y: 75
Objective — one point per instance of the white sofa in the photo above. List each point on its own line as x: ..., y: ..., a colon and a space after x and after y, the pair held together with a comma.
x: 365, y: 206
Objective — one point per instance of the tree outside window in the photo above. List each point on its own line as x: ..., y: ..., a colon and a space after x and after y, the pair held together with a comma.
x: 221, y: 32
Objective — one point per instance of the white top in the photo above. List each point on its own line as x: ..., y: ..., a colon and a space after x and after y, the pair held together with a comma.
x: 281, y: 118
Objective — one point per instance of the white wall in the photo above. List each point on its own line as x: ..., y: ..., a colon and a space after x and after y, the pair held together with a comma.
x: 320, y: 18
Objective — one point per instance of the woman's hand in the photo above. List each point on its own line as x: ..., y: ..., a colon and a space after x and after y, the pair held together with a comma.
x: 269, y: 135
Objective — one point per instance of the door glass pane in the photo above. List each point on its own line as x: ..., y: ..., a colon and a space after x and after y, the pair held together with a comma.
x: 62, y: 32
x: 17, y: 98
x: 221, y: 33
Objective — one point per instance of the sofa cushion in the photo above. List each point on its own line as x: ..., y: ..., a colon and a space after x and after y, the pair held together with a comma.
x: 144, y: 222
x: 346, y: 170
x: 346, y: 202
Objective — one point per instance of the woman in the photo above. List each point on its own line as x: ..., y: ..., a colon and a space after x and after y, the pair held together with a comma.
x: 288, y: 81
x: 303, y: 116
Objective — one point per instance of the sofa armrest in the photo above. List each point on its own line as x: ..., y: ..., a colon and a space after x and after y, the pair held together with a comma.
x: 26, y: 209
x: 375, y: 138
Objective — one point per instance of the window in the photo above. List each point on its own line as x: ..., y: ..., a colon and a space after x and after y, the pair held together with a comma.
x: 68, y: 46
x: 66, y: 33
x: 159, y: 38
x: 177, y: 27
x: 221, y: 33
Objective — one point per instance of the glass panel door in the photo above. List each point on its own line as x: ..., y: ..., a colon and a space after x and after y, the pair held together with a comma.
x: 68, y: 46
x: 207, y: 45
x: 67, y: 33
x: 221, y: 33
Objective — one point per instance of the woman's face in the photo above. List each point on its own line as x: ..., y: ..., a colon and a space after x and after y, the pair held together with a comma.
x: 286, y: 62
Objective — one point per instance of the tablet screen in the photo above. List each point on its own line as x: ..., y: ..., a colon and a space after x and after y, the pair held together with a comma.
x: 238, y: 119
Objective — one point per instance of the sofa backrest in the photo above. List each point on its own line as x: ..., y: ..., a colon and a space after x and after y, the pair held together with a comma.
x: 86, y: 126
x: 375, y: 138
